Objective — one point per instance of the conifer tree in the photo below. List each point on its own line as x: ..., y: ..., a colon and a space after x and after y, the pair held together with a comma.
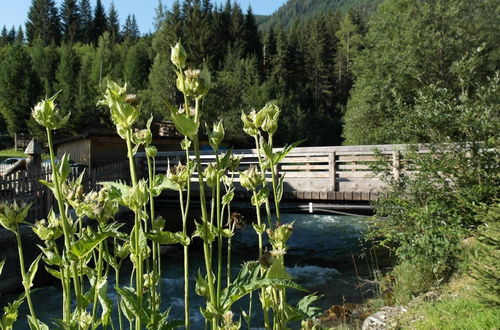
x: 20, y: 35
x: 11, y: 36
x: 113, y: 22
x: 66, y: 81
x: 18, y: 88
x: 131, y: 29
x: 99, y: 23
x: 44, y: 59
x: 3, y: 36
x: 137, y: 64
x: 252, y: 36
x: 70, y: 21
x: 43, y: 22
x: 86, y: 21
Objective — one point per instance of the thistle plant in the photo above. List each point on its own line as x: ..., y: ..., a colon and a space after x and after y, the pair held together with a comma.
x: 95, y: 246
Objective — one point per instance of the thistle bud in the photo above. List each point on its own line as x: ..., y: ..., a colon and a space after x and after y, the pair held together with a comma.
x: 180, y: 175
x: 216, y: 136
x: 251, y: 178
x: 143, y: 137
x: 178, y: 56
x: 48, y: 115
x: 132, y: 99
x: 13, y: 214
x: 271, y: 116
x: 210, y: 174
x: 248, y: 124
x: 151, y: 151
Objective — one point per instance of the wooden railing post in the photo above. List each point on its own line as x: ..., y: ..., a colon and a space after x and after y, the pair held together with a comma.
x: 395, y: 164
x: 333, y: 171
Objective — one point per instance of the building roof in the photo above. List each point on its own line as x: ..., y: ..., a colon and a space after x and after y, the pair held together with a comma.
x: 33, y: 148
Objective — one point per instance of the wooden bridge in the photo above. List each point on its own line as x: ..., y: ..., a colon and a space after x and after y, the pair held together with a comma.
x: 340, y: 173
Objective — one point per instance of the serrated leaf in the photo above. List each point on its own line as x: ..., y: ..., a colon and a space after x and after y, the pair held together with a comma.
x: 85, y: 245
x: 228, y: 197
x: 63, y: 168
x: 2, y: 263
x: 106, y: 303
x: 280, y: 188
x: 161, y: 182
x: 164, y: 237
x: 129, y: 299
x: 30, y: 275
x: 53, y: 272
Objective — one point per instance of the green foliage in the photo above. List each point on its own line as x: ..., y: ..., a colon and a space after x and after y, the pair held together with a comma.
x: 19, y: 88
x: 412, y: 46
x: 485, y: 258
x: 295, y: 10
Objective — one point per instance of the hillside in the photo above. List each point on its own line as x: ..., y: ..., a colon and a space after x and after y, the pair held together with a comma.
x: 294, y: 9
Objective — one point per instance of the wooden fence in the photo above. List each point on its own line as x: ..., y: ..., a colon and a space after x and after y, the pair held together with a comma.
x: 25, y: 187
x: 317, y: 173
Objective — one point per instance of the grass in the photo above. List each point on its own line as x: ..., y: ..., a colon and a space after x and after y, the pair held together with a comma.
x: 7, y: 153
x: 455, y: 309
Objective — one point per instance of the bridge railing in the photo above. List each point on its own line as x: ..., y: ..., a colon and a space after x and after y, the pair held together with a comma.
x: 312, y: 172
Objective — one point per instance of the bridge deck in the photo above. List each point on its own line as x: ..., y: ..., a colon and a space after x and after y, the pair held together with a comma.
x: 340, y: 173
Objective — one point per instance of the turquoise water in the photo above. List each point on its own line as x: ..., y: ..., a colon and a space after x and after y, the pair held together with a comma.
x: 318, y: 244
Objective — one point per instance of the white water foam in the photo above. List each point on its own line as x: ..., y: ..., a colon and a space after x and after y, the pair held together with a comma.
x: 310, y: 273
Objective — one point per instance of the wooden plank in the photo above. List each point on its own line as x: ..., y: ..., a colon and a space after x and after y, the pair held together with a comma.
x: 323, y: 195
x: 359, y: 174
x: 351, y: 158
x: 307, y: 175
x: 353, y: 167
x: 302, y: 159
x: 315, y: 195
x: 304, y: 167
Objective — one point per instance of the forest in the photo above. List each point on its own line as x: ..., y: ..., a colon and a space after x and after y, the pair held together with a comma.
x: 306, y: 68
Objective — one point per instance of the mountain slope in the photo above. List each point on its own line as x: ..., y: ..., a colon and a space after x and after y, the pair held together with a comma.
x: 294, y: 9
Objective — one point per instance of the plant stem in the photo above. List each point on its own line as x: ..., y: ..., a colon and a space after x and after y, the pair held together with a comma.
x: 219, y: 232
x: 263, y: 171
x: 137, y: 229
x: 155, y: 295
x: 186, y: 262
x: 23, y: 274
x: 98, y: 277
x: 68, y: 238
x: 275, y: 192
x: 204, y: 215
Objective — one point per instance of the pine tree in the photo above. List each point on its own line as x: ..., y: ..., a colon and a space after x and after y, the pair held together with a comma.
x: 20, y: 35
x: 86, y: 21
x: 238, y: 29
x: 137, y: 65
x: 349, y: 42
x: 99, y: 23
x: 11, y: 36
x: 44, y: 59
x: 160, y: 15
x: 70, y: 21
x: 3, y: 36
x: 43, y: 22
x: 66, y: 82
x: 18, y: 88
x: 252, y: 36
x: 113, y: 23
x: 131, y: 29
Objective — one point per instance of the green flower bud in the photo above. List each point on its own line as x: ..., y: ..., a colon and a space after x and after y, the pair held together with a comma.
x: 13, y: 214
x: 248, y: 124
x: 47, y: 114
x: 216, y: 136
x: 270, y: 122
x: 251, y: 178
x: 184, y: 122
x: 151, y: 151
x: 178, y: 56
x: 142, y: 136
x: 123, y: 113
x: 180, y: 175
x: 210, y: 174
x: 280, y: 235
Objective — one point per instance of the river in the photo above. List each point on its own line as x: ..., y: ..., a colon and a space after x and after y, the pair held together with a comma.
x: 319, y: 258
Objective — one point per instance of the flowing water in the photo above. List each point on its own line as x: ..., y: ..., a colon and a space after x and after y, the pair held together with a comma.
x: 319, y: 258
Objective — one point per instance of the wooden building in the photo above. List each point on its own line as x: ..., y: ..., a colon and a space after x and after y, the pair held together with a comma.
x: 98, y: 149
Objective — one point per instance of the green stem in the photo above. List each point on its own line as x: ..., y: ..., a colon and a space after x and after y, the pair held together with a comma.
x: 98, y: 277
x: 219, y: 232
x: 263, y: 171
x: 23, y: 274
x: 155, y: 295
x: 204, y: 216
x: 186, y: 262
x: 68, y: 237
x: 275, y: 192
x: 137, y: 228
